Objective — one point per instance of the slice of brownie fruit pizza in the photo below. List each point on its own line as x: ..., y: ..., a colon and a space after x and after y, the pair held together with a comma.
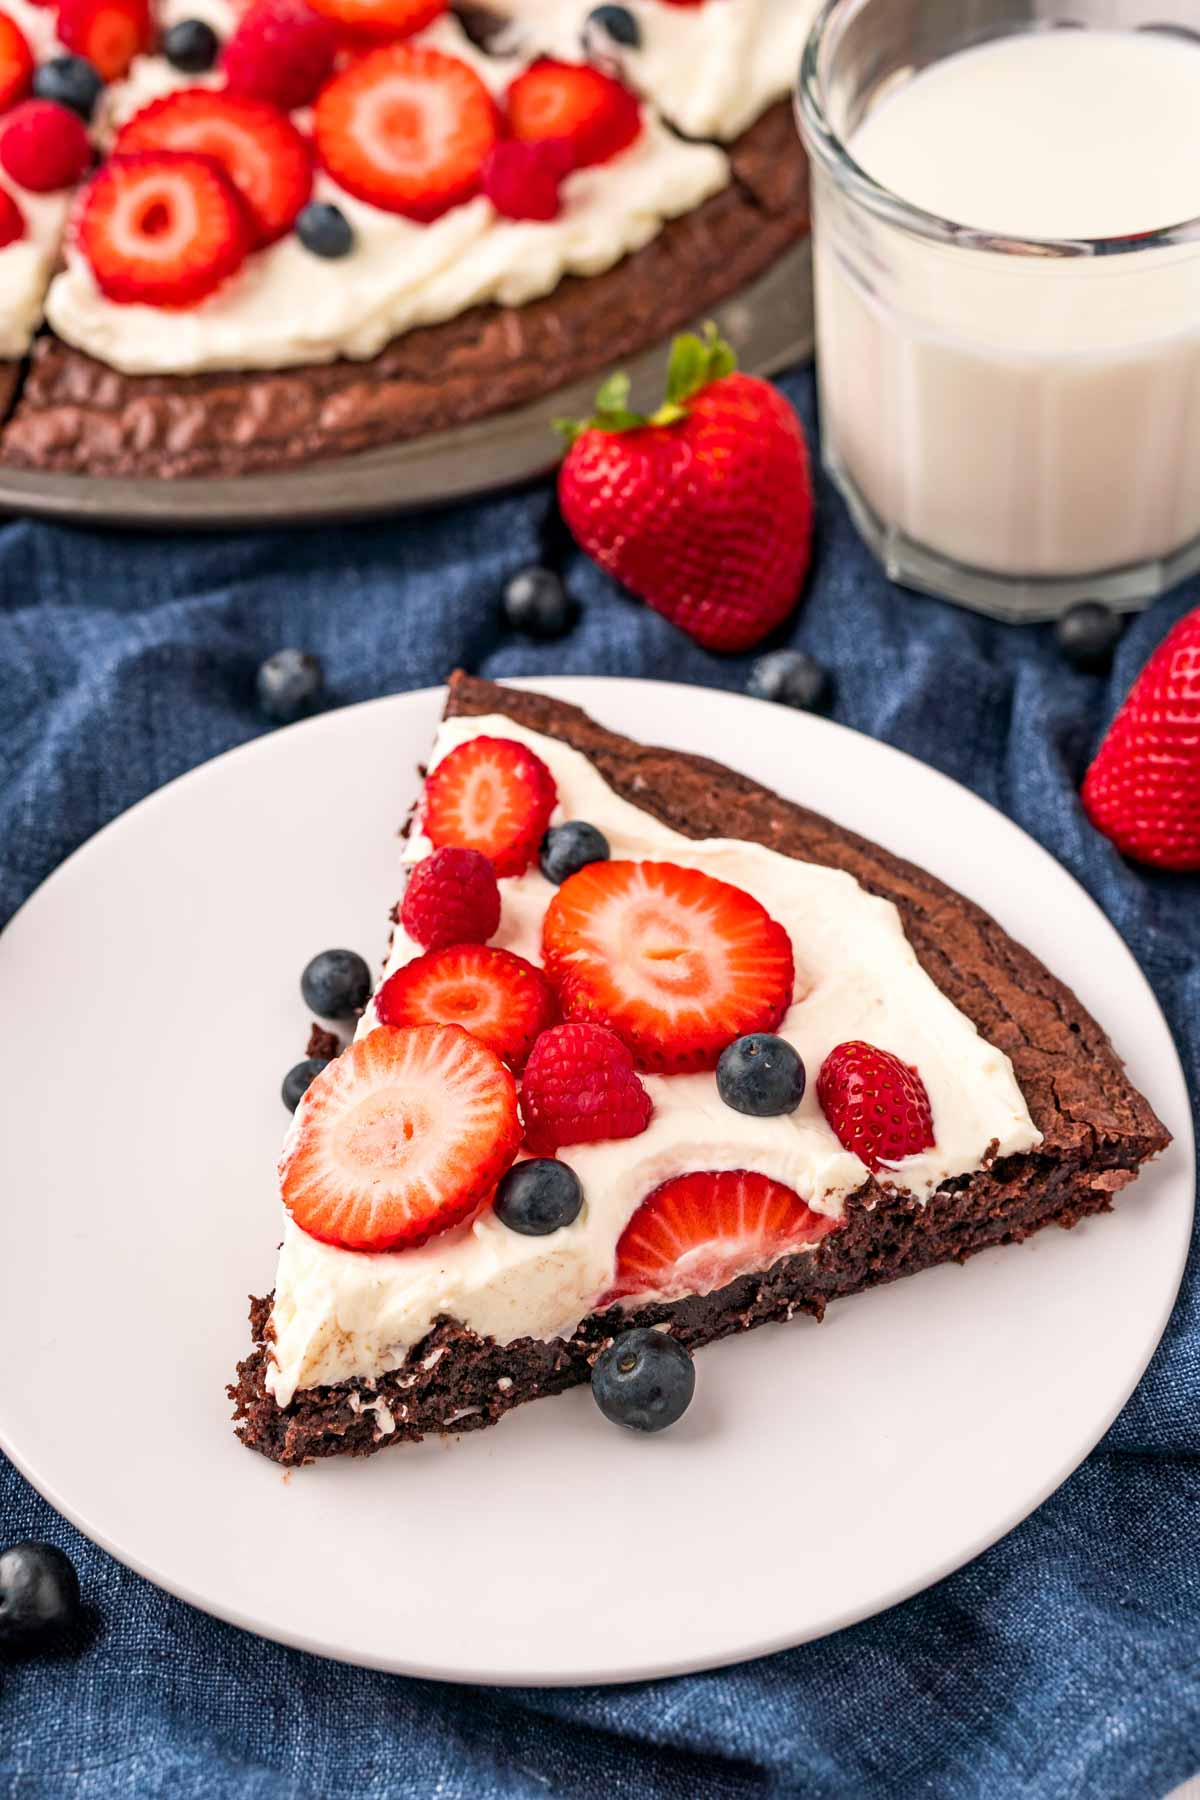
x: 395, y: 230
x: 625, y: 1071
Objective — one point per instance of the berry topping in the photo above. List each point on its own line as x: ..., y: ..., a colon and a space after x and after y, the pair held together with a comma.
x: 494, y: 795
x: 381, y: 18
x: 69, y: 81
x: 406, y: 1134
x: 1088, y: 634
x: 191, y: 46
x: 407, y: 129
x: 300, y: 1078
x: 12, y: 222
x: 110, y: 33
x: 451, y: 898
x: 536, y: 602
x: 539, y: 1196
x: 325, y: 230
x: 609, y: 25
x: 281, y: 51
x: 876, y: 1104
x: 259, y: 149
x: 16, y: 64
x: 699, y: 1232
x: 44, y: 146
x: 568, y: 848
x: 644, y: 1380
x: 580, y: 1087
x: 39, y: 1595
x: 704, y: 507
x: 1143, y: 789
x: 677, y: 963
x: 790, y: 678
x: 521, y: 180
x: 761, y: 1075
x: 162, y: 229
x: 575, y: 105
x: 336, y: 984
x: 290, y: 684
x: 499, y: 998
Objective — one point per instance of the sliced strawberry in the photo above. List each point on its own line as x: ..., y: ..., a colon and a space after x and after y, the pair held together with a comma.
x: 258, y: 147
x: 403, y: 1135
x: 699, y: 1232
x: 381, y: 18
x: 406, y: 129
x: 676, y: 963
x: 499, y: 998
x: 494, y: 795
x: 162, y: 229
x: 110, y: 33
x: 576, y: 105
x: 12, y: 220
x: 877, y: 1105
x: 16, y: 63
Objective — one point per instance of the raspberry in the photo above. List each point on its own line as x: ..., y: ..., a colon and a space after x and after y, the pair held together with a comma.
x: 44, y: 146
x: 580, y: 1086
x: 12, y: 224
x: 452, y: 898
x: 282, y: 51
x: 521, y: 180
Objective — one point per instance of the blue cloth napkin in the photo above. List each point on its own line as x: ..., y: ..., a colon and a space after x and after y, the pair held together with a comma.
x: 1064, y: 1662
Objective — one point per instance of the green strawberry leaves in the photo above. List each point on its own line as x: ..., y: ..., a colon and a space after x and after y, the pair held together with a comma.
x: 695, y: 360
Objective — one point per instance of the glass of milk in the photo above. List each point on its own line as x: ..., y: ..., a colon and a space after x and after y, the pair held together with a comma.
x: 1006, y: 205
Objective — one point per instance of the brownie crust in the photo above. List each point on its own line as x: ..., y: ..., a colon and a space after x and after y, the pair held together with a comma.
x: 78, y: 416
x: 1097, y: 1129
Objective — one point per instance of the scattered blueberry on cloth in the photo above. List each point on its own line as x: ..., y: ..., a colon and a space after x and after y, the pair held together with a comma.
x: 1065, y: 1662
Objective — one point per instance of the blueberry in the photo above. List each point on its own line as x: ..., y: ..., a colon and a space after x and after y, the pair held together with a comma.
x: 568, y: 848
x: 39, y: 1594
x: 297, y: 1081
x: 536, y: 603
x: 325, y: 230
x: 761, y: 1075
x: 538, y: 1197
x: 290, y: 685
x: 791, y: 678
x: 72, y: 81
x: 644, y: 1380
x: 191, y: 45
x: 614, y: 23
x: 336, y: 984
x: 1088, y: 635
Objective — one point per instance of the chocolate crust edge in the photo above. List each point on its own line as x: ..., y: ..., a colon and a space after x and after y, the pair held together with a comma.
x: 1098, y: 1131
x: 76, y: 415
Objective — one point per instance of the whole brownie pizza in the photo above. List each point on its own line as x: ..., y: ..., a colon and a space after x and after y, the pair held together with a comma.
x: 240, y: 238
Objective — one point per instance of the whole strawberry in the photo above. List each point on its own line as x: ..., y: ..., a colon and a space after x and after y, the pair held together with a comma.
x: 704, y: 508
x: 1143, y: 789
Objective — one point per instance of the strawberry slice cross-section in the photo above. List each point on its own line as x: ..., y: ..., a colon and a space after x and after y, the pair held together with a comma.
x: 499, y: 998
x: 699, y: 1232
x: 402, y: 1136
x: 160, y: 229
x: 493, y: 795
x: 407, y: 129
x: 677, y: 963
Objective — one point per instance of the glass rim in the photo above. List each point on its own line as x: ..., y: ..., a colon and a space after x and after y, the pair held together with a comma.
x: 829, y: 149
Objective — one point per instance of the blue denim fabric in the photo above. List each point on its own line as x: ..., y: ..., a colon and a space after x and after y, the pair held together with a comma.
x: 1063, y: 1663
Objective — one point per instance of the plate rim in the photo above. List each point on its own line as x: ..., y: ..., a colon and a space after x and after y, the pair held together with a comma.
x: 575, y: 689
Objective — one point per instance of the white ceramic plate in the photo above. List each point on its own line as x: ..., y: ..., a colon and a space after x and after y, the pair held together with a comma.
x: 822, y: 1473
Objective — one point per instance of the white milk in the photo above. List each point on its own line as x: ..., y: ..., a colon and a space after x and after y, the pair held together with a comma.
x: 1026, y: 416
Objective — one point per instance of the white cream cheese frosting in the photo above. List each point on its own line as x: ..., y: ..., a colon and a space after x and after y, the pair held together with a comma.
x: 340, y: 1314
x: 710, y: 69
x: 286, y: 306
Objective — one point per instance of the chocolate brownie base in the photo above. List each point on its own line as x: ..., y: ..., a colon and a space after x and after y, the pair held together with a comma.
x: 1097, y: 1129
x: 78, y: 416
